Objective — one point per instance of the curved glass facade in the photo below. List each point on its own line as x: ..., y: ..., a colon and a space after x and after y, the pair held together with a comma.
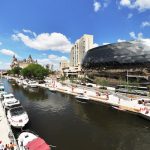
x: 131, y: 54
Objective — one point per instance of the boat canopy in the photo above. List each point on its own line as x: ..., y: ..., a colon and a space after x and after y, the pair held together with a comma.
x: 17, y: 111
x: 38, y: 144
x: 6, y: 96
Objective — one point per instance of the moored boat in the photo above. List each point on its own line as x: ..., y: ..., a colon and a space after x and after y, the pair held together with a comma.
x: 145, y: 113
x: 31, y: 141
x: 17, y: 117
x: 82, y: 97
x: 52, y: 89
x: 33, y: 84
x: 2, y: 90
x: 25, y: 82
x: 118, y: 108
x: 9, y: 100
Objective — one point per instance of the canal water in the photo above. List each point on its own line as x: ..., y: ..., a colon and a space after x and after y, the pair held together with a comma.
x: 69, y: 125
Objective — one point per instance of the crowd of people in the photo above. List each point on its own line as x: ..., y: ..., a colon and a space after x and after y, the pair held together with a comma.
x: 10, y: 146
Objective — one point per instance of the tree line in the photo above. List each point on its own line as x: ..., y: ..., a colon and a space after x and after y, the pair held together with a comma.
x: 32, y: 71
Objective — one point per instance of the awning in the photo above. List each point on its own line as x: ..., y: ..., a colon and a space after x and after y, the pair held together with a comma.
x: 38, y: 144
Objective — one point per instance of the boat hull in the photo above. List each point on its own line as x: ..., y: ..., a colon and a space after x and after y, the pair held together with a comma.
x: 118, y: 108
x: 144, y: 116
x: 83, y: 100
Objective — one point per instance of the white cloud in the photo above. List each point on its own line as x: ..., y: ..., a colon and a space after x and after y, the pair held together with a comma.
x: 1, y: 43
x: 125, y: 3
x: 29, y: 31
x: 4, y: 65
x: 8, y: 52
x: 57, y: 58
x: 105, y: 43
x: 139, y: 36
x: 97, y: 6
x: 132, y: 35
x: 146, y: 24
x: 141, y: 5
x: 121, y: 40
x: 95, y: 45
x: 15, y: 37
x: 44, y: 61
x: 45, y: 41
x: 130, y: 15
x: 52, y: 59
x: 146, y: 41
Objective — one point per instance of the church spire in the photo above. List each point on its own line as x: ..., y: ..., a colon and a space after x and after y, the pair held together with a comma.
x: 14, y: 58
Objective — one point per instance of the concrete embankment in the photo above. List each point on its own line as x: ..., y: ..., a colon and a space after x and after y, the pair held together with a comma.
x: 110, y: 98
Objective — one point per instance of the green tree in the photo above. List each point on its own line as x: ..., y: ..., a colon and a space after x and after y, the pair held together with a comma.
x: 16, y: 71
x: 9, y: 72
x: 35, y: 71
x: 62, y: 78
x: 104, y: 82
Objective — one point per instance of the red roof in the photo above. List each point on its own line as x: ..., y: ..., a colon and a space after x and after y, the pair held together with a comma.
x: 38, y: 144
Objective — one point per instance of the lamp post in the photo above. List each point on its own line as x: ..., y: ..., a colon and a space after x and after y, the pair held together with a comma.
x: 127, y: 82
x: 127, y: 77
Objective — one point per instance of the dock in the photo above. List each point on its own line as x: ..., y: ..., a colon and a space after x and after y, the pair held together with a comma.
x: 6, y: 134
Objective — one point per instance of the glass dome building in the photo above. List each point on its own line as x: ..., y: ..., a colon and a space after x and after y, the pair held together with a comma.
x: 123, y: 55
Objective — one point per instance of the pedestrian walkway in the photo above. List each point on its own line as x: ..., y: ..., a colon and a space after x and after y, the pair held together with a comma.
x: 6, y: 135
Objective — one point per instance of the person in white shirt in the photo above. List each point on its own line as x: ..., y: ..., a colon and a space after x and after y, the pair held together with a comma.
x: 1, y: 146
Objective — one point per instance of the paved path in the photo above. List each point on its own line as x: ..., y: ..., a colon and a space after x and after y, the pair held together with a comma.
x: 5, y: 129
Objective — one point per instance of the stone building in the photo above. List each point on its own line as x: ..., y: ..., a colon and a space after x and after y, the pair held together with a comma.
x: 22, y: 63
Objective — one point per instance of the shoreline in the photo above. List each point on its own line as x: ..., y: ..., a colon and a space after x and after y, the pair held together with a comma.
x: 6, y: 135
x: 124, y: 103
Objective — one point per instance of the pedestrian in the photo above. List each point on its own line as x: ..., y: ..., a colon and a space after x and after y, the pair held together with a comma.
x: 1, y: 146
x: 11, y: 146
x: 6, y: 147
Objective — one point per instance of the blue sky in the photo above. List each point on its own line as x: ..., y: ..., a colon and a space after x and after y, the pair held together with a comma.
x: 46, y: 29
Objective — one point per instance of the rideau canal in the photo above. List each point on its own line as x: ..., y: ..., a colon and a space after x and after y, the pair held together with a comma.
x: 69, y: 125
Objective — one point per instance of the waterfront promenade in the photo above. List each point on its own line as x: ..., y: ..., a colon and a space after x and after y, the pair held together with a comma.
x: 6, y: 134
x: 108, y: 97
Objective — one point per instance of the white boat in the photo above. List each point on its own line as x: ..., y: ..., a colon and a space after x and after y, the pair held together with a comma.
x: 82, y: 97
x: 33, y: 84
x: 2, y: 90
x: 118, y: 108
x: 17, y: 117
x: 19, y: 81
x: 2, y: 95
x: 9, y: 78
x: 1, y: 84
x: 30, y: 141
x: 145, y: 113
x: 52, y: 89
x: 9, y: 100
x: 25, y: 82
